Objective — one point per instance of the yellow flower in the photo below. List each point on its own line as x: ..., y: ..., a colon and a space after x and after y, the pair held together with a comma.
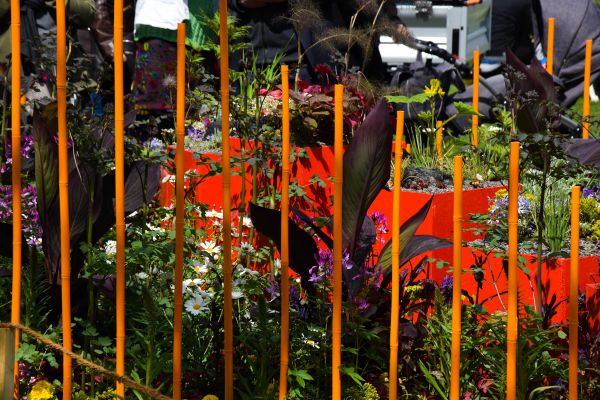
x: 210, y: 397
x: 501, y: 193
x: 42, y: 390
x: 434, y: 88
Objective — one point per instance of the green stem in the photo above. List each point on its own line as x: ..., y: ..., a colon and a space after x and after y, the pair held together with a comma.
x: 87, y: 345
x: 540, y: 233
x: 255, y: 165
x: 4, y: 93
x: 297, y: 78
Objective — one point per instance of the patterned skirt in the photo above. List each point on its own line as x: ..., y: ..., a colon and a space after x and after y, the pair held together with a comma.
x: 154, y: 81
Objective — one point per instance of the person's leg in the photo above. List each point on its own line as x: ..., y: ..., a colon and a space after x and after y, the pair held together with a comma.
x: 511, y: 28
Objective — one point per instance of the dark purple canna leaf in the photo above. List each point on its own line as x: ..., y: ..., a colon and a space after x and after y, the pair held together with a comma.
x: 141, y: 183
x: 302, y: 247
x: 366, y: 171
x: 585, y: 151
x: 416, y: 246
x: 411, y: 245
x: 6, y: 244
x: 535, y: 87
x: 308, y: 221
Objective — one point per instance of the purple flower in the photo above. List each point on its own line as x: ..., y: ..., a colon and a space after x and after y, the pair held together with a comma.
x: 361, y: 304
x: 592, y: 192
x: 380, y: 221
x: 324, y: 267
x: 29, y: 213
x: 347, y: 263
x: 446, y: 287
x: 272, y: 288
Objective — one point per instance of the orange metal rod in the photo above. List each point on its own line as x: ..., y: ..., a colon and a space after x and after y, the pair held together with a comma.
x: 179, y: 212
x: 227, y: 270
x: 550, y: 48
x: 338, y: 180
x: 285, y: 209
x: 586, y: 89
x: 63, y: 187
x: 574, y: 294
x: 15, y: 314
x: 393, y: 373
x: 439, y: 130
x: 119, y: 191
x: 457, y: 284
x: 475, y: 119
x: 513, y: 317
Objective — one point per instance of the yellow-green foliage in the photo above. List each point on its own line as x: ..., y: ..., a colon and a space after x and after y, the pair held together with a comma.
x: 590, y: 210
x: 595, y: 230
x: 365, y: 392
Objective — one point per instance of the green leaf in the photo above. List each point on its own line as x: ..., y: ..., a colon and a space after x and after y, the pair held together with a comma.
x: 417, y: 98
x: 562, y: 335
x: 465, y: 109
x: 432, y: 381
x: 355, y: 376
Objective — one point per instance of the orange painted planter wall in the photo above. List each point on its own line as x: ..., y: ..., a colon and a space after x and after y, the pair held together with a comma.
x: 438, y: 223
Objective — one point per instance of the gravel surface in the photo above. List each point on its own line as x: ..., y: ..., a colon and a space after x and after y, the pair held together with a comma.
x: 424, y: 180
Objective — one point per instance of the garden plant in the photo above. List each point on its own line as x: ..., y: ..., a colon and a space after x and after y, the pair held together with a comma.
x: 550, y: 165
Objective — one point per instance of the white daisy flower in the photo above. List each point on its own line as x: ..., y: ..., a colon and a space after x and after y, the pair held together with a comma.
x: 214, y: 214
x: 210, y: 246
x: 246, y: 247
x: 190, y: 284
x: 110, y: 247
x: 196, y: 304
x: 168, y: 178
x: 236, y: 294
x: 199, y: 267
x: 247, y: 222
x: 142, y: 275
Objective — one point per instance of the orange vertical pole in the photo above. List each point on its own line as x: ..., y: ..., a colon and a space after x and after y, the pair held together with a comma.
x: 457, y: 281
x: 393, y: 373
x: 119, y: 191
x: 63, y: 187
x: 550, y: 47
x: 285, y: 210
x: 574, y: 294
x: 439, y: 138
x: 513, y: 317
x: 475, y: 119
x: 179, y: 212
x: 586, y: 89
x: 338, y: 180
x: 227, y: 270
x: 15, y: 313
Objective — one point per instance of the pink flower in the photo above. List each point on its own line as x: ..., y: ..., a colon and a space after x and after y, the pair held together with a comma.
x: 276, y: 94
x: 323, y: 69
x: 302, y: 85
x: 313, y: 89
